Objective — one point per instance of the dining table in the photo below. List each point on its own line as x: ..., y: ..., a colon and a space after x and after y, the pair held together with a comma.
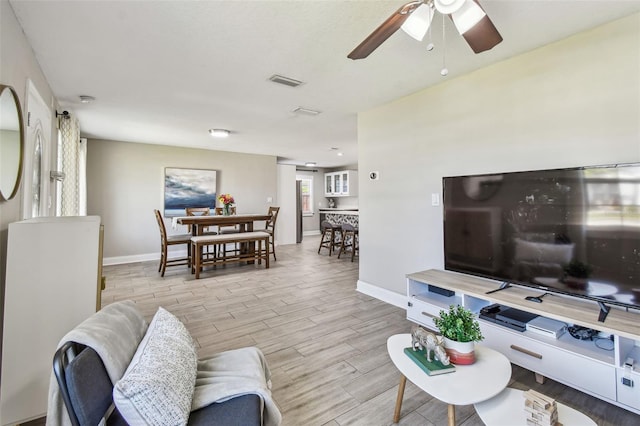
x: 198, y: 223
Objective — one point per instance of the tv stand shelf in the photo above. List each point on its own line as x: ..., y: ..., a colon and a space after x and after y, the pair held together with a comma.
x: 566, y: 359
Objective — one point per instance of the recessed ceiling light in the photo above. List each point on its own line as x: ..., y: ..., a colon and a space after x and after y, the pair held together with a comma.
x: 85, y: 99
x: 340, y: 154
x: 309, y: 164
x: 219, y: 133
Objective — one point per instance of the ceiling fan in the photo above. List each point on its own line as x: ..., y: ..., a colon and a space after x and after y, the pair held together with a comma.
x: 415, y: 18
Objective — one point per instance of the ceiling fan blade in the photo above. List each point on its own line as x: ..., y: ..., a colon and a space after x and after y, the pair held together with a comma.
x: 384, y: 31
x: 482, y: 36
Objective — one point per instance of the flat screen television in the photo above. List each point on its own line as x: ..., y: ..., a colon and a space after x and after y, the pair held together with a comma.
x: 573, y: 231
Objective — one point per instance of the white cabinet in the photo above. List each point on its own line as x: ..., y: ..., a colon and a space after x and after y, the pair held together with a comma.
x: 550, y: 358
x: 628, y: 380
x: 54, y: 268
x: 341, y: 184
x: 576, y: 363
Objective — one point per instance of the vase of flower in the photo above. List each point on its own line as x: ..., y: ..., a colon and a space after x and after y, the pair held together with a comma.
x: 226, y: 200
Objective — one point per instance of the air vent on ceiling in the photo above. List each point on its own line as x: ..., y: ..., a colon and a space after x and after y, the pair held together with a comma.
x: 305, y: 111
x: 285, y: 80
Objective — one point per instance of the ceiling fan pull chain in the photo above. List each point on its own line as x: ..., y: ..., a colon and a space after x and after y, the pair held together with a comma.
x: 430, y: 44
x: 444, y: 71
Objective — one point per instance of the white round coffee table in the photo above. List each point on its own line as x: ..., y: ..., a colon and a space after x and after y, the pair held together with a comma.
x: 507, y: 409
x: 469, y: 384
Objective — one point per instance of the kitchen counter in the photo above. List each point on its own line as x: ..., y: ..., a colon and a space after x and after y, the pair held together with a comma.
x: 338, y: 210
x: 338, y: 216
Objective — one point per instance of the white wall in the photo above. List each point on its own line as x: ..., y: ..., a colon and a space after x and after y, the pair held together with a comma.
x: 17, y: 64
x: 575, y: 102
x: 125, y: 183
x: 286, y: 223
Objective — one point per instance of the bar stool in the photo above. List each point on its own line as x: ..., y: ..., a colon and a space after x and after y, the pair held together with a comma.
x: 349, y: 239
x: 330, y: 236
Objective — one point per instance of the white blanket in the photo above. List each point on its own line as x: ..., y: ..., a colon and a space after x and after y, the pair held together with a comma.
x: 234, y: 373
x: 114, y: 333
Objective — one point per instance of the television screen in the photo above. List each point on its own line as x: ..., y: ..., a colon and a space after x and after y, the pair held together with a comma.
x: 574, y: 231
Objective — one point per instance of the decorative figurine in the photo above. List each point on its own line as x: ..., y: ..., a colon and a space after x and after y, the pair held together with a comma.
x: 424, y: 339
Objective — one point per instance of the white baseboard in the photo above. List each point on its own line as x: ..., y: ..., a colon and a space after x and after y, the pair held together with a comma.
x: 309, y: 233
x: 120, y: 260
x: 388, y: 296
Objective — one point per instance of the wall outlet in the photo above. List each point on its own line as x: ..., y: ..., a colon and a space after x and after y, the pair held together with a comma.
x: 269, y: 199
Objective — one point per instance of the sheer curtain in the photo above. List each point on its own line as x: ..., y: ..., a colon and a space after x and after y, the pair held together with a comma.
x: 72, y: 156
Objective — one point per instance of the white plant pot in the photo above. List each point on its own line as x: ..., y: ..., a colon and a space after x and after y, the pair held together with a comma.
x: 461, y: 353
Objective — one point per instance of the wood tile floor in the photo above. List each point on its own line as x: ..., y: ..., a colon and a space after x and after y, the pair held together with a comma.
x: 325, y: 342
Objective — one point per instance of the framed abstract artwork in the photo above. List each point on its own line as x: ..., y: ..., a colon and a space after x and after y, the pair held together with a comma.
x: 188, y: 188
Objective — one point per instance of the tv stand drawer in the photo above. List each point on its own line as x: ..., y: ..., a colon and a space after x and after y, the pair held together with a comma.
x: 575, y: 369
x: 422, y: 313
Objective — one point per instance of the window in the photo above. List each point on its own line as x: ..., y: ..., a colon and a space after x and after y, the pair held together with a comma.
x: 613, y: 197
x: 59, y: 182
x: 306, y: 189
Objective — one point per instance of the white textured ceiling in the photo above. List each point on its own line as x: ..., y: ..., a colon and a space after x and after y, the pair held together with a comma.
x: 165, y: 72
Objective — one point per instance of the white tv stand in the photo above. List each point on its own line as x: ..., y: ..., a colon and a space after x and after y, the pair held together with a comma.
x: 576, y: 363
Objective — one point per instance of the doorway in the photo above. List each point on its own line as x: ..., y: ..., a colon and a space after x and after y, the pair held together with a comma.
x: 36, y: 195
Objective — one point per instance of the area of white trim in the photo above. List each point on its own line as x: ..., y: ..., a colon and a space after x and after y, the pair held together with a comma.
x: 120, y: 260
x: 145, y: 257
x: 388, y: 296
x: 37, y: 122
x: 309, y: 233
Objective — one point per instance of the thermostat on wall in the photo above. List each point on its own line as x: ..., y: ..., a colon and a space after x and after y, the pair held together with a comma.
x: 374, y: 175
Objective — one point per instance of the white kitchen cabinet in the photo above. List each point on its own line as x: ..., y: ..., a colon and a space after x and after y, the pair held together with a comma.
x: 341, y: 184
x: 576, y: 363
x: 53, y: 283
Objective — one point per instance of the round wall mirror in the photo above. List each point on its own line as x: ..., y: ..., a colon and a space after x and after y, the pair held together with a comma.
x: 11, y: 142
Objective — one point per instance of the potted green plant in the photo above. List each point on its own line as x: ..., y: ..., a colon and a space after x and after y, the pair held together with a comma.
x: 576, y: 274
x: 460, y: 330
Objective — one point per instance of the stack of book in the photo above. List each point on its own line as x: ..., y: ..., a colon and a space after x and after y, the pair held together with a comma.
x: 540, y: 409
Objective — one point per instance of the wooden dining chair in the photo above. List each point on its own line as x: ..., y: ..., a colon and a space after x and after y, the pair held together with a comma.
x: 220, y: 209
x: 228, y: 229
x: 202, y: 211
x: 349, y: 240
x: 171, y: 240
x: 270, y: 228
x: 198, y: 211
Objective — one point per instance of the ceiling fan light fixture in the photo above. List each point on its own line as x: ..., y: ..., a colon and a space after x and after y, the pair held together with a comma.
x: 219, y: 133
x: 447, y: 7
x: 467, y: 16
x: 417, y: 24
